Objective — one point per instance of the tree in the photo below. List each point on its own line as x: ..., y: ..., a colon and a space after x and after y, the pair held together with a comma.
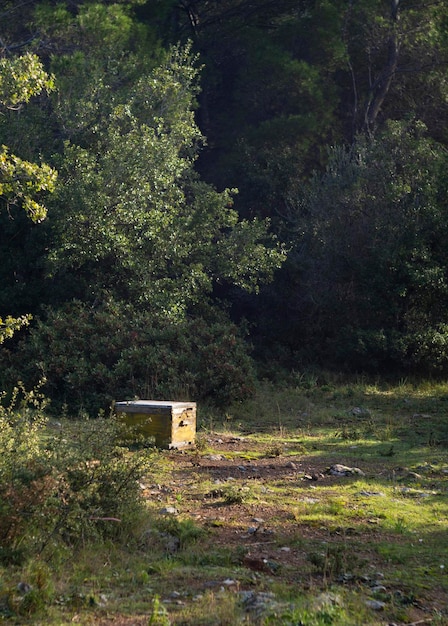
x: 370, y: 249
x: 21, y: 181
x: 133, y: 228
x: 396, y: 61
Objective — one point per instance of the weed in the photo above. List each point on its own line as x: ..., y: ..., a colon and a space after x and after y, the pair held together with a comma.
x: 330, y: 562
x: 233, y: 494
x: 159, y: 614
x: 186, y: 530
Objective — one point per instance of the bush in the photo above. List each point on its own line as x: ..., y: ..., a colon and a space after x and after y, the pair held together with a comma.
x: 92, y: 356
x: 67, y: 486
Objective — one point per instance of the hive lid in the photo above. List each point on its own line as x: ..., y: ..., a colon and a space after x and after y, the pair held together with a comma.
x: 133, y: 406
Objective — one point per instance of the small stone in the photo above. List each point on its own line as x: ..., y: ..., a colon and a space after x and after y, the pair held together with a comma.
x: 285, y: 549
x: 242, y: 468
x: 378, y: 589
x: 169, y: 510
x: 291, y: 465
x: 343, y: 470
x: 103, y: 599
x: 359, y: 411
x: 326, y: 600
x: 375, y: 605
x: 24, y: 588
x: 258, y: 520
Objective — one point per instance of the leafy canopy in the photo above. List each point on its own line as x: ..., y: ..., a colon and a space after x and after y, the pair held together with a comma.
x: 21, y: 181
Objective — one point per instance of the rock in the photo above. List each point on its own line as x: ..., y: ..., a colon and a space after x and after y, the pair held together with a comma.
x: 359, y: 411
x: 103, y: 600
x: 257, y: 602
x: 242, y: 468
x: 375, y: 605
x: 291, y: 465
x: 342, y: 470
x: 327, y: 599
x: 371, y: 493
x: 214, y: 457
x: 154, y: 538
x: 169, y: 510
x: 23, y: 587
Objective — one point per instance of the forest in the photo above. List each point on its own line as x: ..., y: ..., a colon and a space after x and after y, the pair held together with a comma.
x: 199, y: 194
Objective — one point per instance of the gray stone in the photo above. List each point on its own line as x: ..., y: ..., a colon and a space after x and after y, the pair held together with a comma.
x: 343, y: 470
x: 24, y: 588
x: 359, y: 411
x: 375, y: 605
x: 169, y: 510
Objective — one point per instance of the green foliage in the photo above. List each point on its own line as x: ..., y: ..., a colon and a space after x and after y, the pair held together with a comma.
x: 159, y: 614
x: 131, y: 215
x: 9, y: 325
x: 61, y: 486
x: 371, y: 254
x: 92, y: 356
x: 186, y: 530
x: 20, y: 181
x: 21, y: 78
x: 132, y: 222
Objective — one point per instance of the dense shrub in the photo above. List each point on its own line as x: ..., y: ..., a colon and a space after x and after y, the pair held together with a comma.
x: 91, y: 356
x: 63, y: 485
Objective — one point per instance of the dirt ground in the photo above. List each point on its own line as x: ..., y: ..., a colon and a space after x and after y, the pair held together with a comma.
x: 268, y: 535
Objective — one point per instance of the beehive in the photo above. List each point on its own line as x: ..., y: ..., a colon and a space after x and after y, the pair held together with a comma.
x: 172, y: 424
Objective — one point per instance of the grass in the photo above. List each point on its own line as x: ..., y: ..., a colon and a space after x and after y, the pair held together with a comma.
x: 264, y: 535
